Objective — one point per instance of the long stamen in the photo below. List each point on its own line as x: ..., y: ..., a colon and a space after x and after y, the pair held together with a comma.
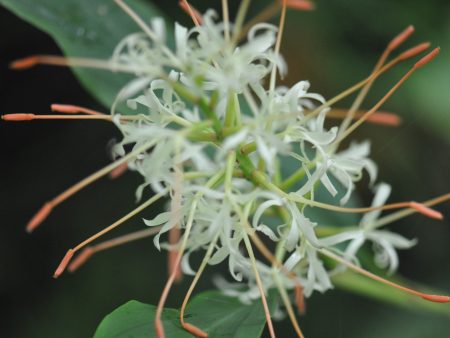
x: 43, y: 213
x: 147, y: 30
x: 226, y: 19
x: 62, y: 266
x: 260, y: 285
x: 395, y: 43
x: 54, y: 60
x: 288, y: 306
x: 158, y: 323
x: 273, y: 75
x: 243, y: 7
x: 192, y: 12
x: 89, y: 251
x: 404, y: 213
x: 419, y: 207
x: 402, y: 57
x: 174, y: 233
x: 29, y: 117
x: 200, y: 270
x: 431, y: 298
x: 422, y: 62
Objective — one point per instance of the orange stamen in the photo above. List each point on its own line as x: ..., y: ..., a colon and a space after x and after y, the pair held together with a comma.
x: 88, y: 251
x: 71, y: 109
x: 419, y: 207
x: 414, y: 51
x: 300, y: 5
x: 47, y: 208
x: 62, y: 266
x: 431, y: 298
x: 18, y: 117
x: 400, y: 38
x: 25, y: 63
x: 39, y: 217
x: 299, y: 298
x: 30, y: 117
x: 81, y: 259
x: 191, y: 11
x: 120, y: 221
x: 427, y: 58
x: 119, y: 171
x: 174, y: 236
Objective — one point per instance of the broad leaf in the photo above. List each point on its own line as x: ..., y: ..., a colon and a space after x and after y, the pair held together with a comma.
x: 218, y: 315
x: 86, y: 29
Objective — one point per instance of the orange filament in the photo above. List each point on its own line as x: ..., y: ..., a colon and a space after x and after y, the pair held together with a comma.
x: 88, y: 251
x: 427, y: 58
x: 40, y: 216
x: 119, y: 171
x: 382, y: 118
x: 300, y: 5
x: 431, y: 298
x: 402, y: 57
x: 62, y: 266
x: 29, y: 117
x: 191, y: 11
x: 86, y: 242
x: 174, y: 236
x: 299, y: 298
x: 71, y: 109
x: 55, y: 60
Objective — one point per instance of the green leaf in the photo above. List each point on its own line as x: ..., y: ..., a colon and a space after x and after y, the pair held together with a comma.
x: 218, y: 315
x: 86, y: 29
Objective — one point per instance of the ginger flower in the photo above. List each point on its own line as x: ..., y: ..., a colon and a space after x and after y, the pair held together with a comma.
x: 211, y: 132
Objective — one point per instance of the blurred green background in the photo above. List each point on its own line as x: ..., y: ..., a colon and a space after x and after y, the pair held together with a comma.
x: 333, y: 47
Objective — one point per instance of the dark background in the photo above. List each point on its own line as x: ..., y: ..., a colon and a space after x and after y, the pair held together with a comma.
x: 333, y: 47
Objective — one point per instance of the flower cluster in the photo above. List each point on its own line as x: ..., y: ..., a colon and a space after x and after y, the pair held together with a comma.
x: 242, y: 158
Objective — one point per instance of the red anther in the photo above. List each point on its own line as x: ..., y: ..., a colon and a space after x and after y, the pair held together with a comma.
x: 71, y: 109
x: 399, y: 39
x: 63, y: 264
x: 18, y: 117
x: 119, y: 171
x: 414, y: 51
x: 427, y: 58
x: 299, y: 298
x: 25, y: 63
x: 426, y: 210
x: 81, y: 259
x: 437, y: 298
x: 39, y: 217
x: 384, y: 118
x: 300, y: 5
x: 195, y: 330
